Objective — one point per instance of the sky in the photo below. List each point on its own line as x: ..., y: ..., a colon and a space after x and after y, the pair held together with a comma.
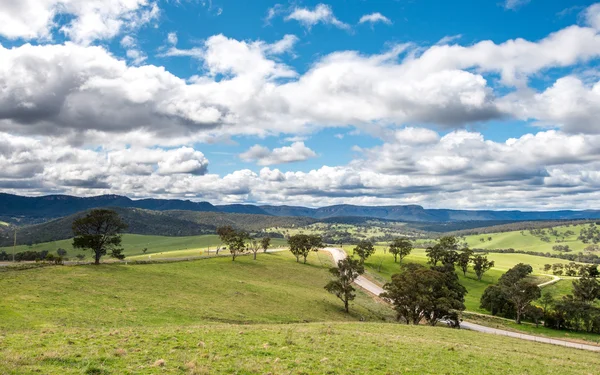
x: 466, y: 104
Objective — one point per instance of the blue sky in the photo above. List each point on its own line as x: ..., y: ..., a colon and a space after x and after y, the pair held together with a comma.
x: 464, y: 104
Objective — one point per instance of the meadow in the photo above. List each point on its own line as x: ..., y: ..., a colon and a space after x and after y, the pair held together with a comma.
x: 133, y: 245
x: 314, y: 348
x: 525, y: 241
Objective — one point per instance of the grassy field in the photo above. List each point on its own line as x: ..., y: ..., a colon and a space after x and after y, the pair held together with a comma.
x: 524, y: 241
x: 272, y: 289
x: 474, y: 287
x: 317, y: 348
x: 133, y: 244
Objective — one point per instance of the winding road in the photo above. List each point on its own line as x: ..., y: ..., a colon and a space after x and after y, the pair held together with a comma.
x: 368, y: 285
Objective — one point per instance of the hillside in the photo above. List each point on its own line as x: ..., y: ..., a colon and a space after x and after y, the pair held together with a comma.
x: 14, y: 208
x: 161, y: 223
x: 191, y: 317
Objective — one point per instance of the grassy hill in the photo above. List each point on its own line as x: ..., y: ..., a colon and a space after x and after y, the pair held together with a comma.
x: 158, y: 246
x: 217, y: 316
x: 475, y: 288
x: 316, y: 348
x: 525, y: 241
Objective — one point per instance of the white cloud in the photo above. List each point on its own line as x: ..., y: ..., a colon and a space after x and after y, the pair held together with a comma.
x: 374, y: 18
x: 514, y: 4
x: 92, y: 19
x: 261, y: 155
x: 592, y: 16
x: 172, y: 38
x: 322, y: 13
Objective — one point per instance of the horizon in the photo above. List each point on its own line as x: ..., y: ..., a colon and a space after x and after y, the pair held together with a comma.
x: 461, y: 105
x: 284, y: 205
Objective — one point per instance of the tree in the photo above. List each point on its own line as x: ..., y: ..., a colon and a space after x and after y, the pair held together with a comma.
x: 400, y: 248
x: 145, y: 250
x: 534, y: 313
x: 254, y: 246
x: 481, y: 265
x: 265, y: 242
x: 464, y: 259
x: 547, y: 267
x: 521, y: 294
x: 100, y: 231
x: 80, y: 257
x: 61, y: 252
x: 364, y: 249
x: 425, y: 293
x: 302, y: 244
x: 224, y: 232
x: 586, y: 289
x: 547, y: 301
x: 345, y: 273
x: 435, y: 254
x: 234, y: 239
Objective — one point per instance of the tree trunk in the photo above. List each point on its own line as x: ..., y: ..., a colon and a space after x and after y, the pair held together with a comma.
x: 395, y: 258
x: 97, y: 258
x: 255, y: 255
x: 346, y: 306
x: 518, y: 318
x: 232, y: 255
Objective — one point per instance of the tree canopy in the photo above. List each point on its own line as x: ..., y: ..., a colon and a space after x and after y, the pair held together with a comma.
x: 345, y: 273
x: 100, y: 231
x: 302, y: 244
x: 400, y: 248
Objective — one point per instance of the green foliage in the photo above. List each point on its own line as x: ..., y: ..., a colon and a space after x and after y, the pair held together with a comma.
x: 364, y: 249
x: 420, y: 293
x: 235, y: 240
x: 400, y: 248
x: 302, y: 244
x: 464, y: 259
x: 99, y: 231
x: 344, y: 274
x: 586, y: 289
x: 265, y: 242
x: 481, y: 265
x: 513, y: 294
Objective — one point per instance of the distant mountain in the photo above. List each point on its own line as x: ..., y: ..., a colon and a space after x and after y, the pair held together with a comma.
x: 160, y: 223
x: 55, y: 206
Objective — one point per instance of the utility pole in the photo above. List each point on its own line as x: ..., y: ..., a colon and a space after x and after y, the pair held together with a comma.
x: 15, y: 245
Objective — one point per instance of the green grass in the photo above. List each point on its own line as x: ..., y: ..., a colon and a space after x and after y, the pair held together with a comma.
x: 134, y: 243
x: 272, y: 289
x: 527, y: 242
x: 531, y: 329
x: 317, y: 348
x: 474, y: 287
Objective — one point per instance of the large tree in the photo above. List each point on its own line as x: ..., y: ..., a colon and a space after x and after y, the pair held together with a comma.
x: 481, y: 265
x: 302, y: 244
x: 521, y: 294
x: 100, y: 231
x: 345, y: 273
x: 364, y: 249
x: 400, y: 248
x: 420, y: 293
x: 586, y: 289
x: 234, y: 239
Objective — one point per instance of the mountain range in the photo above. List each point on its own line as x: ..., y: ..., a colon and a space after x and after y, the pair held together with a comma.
x: 55, y: 206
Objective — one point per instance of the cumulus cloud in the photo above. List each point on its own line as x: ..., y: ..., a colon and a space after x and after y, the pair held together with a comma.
x: 261, y: 155
x: 321, y: 13
x: 91, y: 19
x: 375, y: 18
